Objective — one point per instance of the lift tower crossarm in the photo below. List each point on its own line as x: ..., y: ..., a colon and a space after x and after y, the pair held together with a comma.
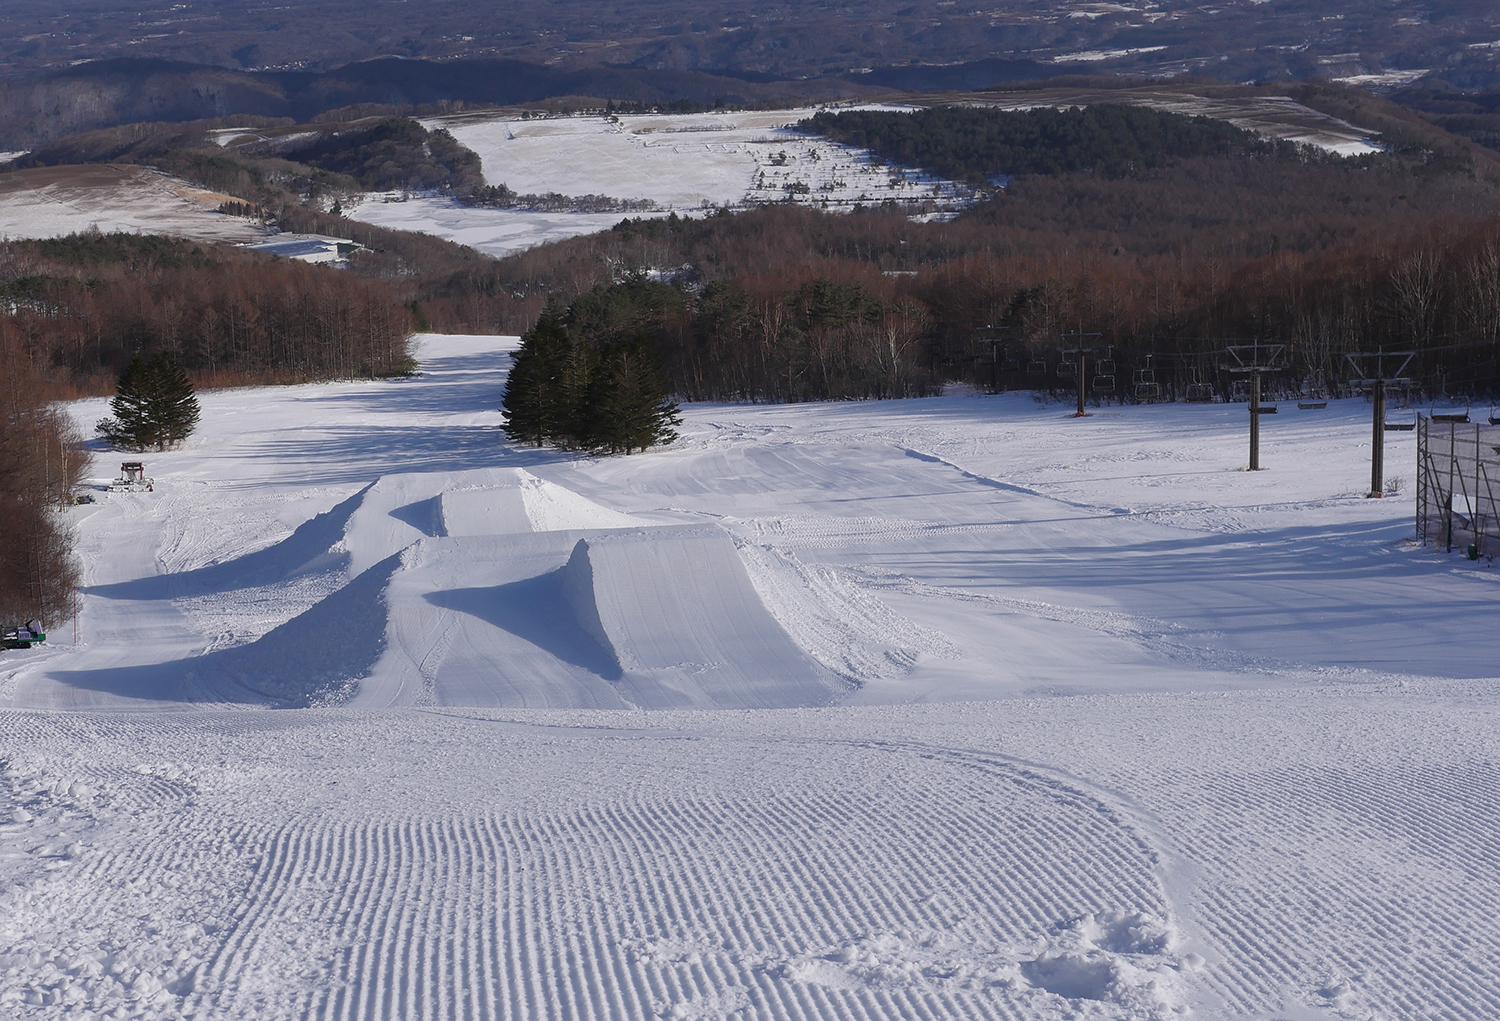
x: 1256, y: 359
x: 1376, y: 383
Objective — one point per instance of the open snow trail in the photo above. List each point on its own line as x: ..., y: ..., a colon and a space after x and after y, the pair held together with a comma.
x: 1268, y: 794
x: 128, y: 637
x: 562, y: 872
x: 1261, y: 854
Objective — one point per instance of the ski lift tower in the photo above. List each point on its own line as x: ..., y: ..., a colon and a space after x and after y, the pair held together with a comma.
x: 1388, y: 367
x: 1255, y: 359
x: 993, y: 336
x: 1080, y: 356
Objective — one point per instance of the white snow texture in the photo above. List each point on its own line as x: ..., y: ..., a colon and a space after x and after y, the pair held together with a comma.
x: 946, y: 708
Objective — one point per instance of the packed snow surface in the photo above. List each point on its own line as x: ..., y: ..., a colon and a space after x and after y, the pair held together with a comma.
x: 678, y: 162
x: 49, y: 202
x: 372, y: 714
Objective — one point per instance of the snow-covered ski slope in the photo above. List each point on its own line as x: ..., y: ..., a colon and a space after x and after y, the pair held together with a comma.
x: 679, y: 162
x: 1032, y: 717
x: 741, y: 158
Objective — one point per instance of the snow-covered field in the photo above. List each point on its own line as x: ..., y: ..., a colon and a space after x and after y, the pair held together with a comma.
x: 689, y: 162
x: 957, y: 707
x: 686, y: 161
x: 55, y: 201
x: 681, y: 162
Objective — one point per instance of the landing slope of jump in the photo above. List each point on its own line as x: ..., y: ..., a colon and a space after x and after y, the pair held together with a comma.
x: 678, y: 612
x: 651, y: 618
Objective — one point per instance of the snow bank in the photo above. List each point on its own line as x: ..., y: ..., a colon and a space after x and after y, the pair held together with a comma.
x: 676, y: 608
x: 652, y: 618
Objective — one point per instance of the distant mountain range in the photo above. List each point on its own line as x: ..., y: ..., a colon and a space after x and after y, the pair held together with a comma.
x: 105, y: 93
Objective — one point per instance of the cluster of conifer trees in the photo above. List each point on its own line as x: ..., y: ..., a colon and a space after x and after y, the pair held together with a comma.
x: 974, y: 144
x: 587, y: 377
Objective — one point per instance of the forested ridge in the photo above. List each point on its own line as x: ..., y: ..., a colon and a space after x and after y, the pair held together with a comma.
x: 78, y: 309
x: 780, y: 303
x: 977, y: 144
x: 791, y: 304
x: 785, y: 303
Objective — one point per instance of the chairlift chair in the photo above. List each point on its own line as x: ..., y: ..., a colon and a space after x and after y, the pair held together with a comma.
x: 1147, y: 391
x: 1105, y: 366
x: 1240, y: 391
x: 1036, y: 367
x: 1067, y: 370
x: 1200, y: 393
x: 1104, y: 384
x: 1494, y: 417
x: 1405, y: 424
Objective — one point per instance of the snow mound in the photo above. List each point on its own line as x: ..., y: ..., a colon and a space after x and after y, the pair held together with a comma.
x: 675, y: 607
x: 403, y: 508
x: 317, y: 657
x: 1127, y: 959
x: 484, y: 621
x: 653, y: 618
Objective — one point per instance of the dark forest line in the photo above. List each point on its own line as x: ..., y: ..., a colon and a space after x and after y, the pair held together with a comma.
x: 78, y: 309
x: 841, y: 329
x: 977, y: 145
x: 1327, y: 256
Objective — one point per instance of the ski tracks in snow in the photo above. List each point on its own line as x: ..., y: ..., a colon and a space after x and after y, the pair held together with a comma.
x: 800, y: 879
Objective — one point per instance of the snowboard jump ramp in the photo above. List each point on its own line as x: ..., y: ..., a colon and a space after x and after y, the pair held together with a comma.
x: 657, y: 618
x: 484, y: 588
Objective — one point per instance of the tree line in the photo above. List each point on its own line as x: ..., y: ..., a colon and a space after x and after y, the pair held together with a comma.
x: 89, y: 304
x: 796, y: 324
x: 978, y: 144
x: 41, y: 459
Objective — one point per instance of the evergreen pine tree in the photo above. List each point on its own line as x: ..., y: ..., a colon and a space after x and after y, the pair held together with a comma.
x: 174, y: 403
x: 628, y: 405
x: 154, y: 405
x: 533, y: 400
x: 579, y: 380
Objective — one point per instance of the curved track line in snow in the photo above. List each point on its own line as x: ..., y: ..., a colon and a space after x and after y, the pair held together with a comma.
x: 883, y: 883
x: 1011, y: 487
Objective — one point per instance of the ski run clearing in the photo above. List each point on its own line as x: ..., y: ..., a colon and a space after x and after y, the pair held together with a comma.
x: 737, y: 159
x: 945, y: 708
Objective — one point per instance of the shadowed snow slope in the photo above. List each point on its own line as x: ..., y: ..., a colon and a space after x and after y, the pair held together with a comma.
x: 651, y: 618
x: 687, y: 628
x: 1202, y: 743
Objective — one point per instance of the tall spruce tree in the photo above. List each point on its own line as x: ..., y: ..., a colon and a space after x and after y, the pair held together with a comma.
x: 581, y: 381
x: 533, y: 402
x: 628, y: 406
x: 154, y: 405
